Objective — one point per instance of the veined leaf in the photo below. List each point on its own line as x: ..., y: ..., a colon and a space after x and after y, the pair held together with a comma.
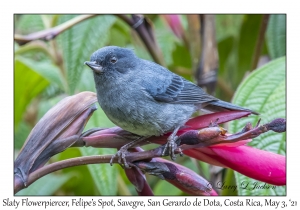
x: 246, y: 46
x: 28, y: 84
x: 104, y: 175
x: 276, y: 36
x: 29, y: 23
x: 79, y: 42
x: 264, y: 92
x: 228, y: 26
x: 166, y: 40
x: 46, y: 185
x: 165, y: 188
x: 46, y: 69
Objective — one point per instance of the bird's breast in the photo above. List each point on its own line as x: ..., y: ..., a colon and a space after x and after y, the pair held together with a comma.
x: 135, y: 112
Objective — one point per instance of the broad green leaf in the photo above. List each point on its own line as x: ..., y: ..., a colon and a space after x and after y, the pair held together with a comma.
x: 263, y: 91
x: 46, y: 185
x: 204, y: 167
x: 120, y: 34
x: 166, y: 40
x: 227, y: 65
x: 28, y: 24
x: 20, y: 134
x: 246, y: 46
x: 84, y: 183
x: 165, y: 188
x: 227, y: 26
x: 46, y: 69
x: 228, y: 180
x: 225, y: 48
x: 276, y: 36
x: 99, y: 119
x: 104, y: 175
x: 28, y: 84
x: 79, y: 42
x: 181, y: 57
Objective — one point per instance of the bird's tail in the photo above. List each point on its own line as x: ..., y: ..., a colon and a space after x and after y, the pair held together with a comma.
x: 223, y: 105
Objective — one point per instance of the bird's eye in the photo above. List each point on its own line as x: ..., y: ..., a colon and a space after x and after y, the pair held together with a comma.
x: 113, y: 60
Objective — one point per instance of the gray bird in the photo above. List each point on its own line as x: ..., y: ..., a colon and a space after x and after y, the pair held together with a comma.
x: 145, y: 98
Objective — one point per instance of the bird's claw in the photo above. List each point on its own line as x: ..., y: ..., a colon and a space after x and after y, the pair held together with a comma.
x: 170, y: 147
x: 121, y: 155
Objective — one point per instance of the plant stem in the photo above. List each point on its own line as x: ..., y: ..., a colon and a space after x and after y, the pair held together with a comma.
x: 206, y: 74
x: 187, y: 141
x: 60, y: 165
x: 260, y: 41
x: 51, y: 33
x: 145, y: 32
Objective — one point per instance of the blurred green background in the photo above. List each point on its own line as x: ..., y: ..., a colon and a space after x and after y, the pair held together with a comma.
x: 47, y: 71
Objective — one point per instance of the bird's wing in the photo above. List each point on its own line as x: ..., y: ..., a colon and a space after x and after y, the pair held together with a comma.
x: 166, y: 86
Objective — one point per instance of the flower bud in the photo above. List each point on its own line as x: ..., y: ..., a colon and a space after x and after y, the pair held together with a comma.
x: 57, y: 130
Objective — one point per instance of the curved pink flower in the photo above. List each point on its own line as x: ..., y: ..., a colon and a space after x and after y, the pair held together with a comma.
x: 175, y: 24
x: 255, y: 163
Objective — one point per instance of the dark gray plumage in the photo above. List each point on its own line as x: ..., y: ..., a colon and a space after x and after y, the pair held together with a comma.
x: 145, y: 98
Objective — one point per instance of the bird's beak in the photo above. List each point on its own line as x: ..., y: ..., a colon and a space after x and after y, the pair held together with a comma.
x: 94, y: 66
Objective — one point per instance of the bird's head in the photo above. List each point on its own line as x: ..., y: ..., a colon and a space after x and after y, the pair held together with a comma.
x: 112, y: 60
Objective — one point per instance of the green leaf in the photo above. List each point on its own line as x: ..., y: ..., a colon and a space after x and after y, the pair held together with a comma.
x: 119, y: 34
x: 104, y: 175
x: 99, y: 119
x: 20, y: 134
x: 79, y: 42
x: 227, y: 26
x: 84, y: 183
x: 29, y: 24
x: 181, y: 57
x: 46, y: 185
x: 276, y: 36
x: 46, y: 69
x: 246, y: 46
x: 28, y: 84
x: 229, y: 180
x: 264, y: 92
x: 165, y: 188
x: 166, y: 40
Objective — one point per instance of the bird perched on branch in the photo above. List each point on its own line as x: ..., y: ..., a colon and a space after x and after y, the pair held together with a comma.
x: 145, y: 98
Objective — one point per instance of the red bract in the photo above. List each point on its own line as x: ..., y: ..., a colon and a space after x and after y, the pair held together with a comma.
x: 255, y: 163
x: 228, y: 151
x: 204, y: 120
x: 175, y: 24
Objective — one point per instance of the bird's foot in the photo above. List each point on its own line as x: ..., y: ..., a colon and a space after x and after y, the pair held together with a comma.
x: 121, y: 155
x: 123, y: 151
x: 170, y: 147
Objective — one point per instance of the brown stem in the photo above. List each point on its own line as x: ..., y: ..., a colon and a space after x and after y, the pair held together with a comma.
x: 39, y: 173
x: 260, y: 41
x: 205, y: 138
x: 96, y: 159
x: 206, y: 73
x: 145, y: 32
x: 51, y: 33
